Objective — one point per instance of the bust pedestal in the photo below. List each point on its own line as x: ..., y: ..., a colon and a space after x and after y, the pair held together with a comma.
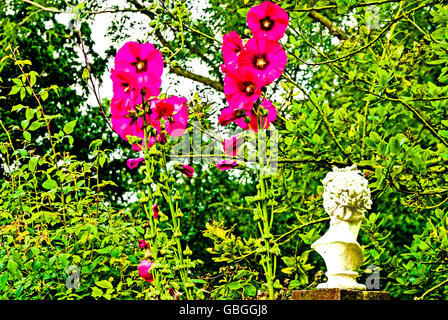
x: 339, y: 294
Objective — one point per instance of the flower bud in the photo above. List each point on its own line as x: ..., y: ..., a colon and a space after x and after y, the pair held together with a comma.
x: 142, y: 244
x: 143, y: 270
x: 187, y: 251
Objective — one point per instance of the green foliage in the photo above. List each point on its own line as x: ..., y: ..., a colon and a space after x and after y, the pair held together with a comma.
x: 55, y: 217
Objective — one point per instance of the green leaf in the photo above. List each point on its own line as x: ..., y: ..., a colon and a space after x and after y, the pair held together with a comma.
x: 234, y: 286
x: 85, y: 74
x: 250, y: 290
x: 3, y: 280
x: 50, y: 184
x: 29, y: 114
x: 97, y: 292
x: 395, y: 146
x: 44, y: 95
x: 443, y: 133
x: 288, y: 270
x: 294, y: 284
x: 243, y: 12
x: 69, y: 127
x: 423, y: 246
x: 22, y: 93
x: 12, y: 266
x: 18, y: 107
x: 32, y: 79
x: 35, y: 125
x: 27, y: 136
x: 105, y: 284
x: 382, y: 148
x: 24, y: 123
x: 290, y: 125
x: 342, y: 9
x: 14, y: 90
x: 375, y: 137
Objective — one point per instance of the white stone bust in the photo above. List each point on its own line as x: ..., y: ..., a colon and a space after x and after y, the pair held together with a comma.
x: 346, y: 199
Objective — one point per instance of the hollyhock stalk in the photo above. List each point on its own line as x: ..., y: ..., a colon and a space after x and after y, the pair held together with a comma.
x: 173, y: 206
x: 148, y: 204
x: 182, y: 263
x: 267, y: 218
x: 270, y: 260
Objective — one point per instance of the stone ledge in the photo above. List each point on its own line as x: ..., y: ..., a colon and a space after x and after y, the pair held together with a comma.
x: 339, y: 294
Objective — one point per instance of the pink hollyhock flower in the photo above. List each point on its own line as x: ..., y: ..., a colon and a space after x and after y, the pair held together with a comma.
x: 143, y: 270
x: 125, y: 119
x: 232, y: 145
x: 229, y: 115
x: 185, y: 169
x: 144, y: 62
x: 231, y: 47
x: 175, y: 111
x: 134, y: 163
x: 226, y: 165
x: 155, y: 210
x: 142, y: 244
x: 126, y: 122
x: 264, y: 57
x: 242, y: 88
x: 265, y: 120
x: 268, y: 19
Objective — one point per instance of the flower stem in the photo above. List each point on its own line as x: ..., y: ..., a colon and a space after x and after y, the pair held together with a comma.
x: 266, y: 234
x: 183, y: 270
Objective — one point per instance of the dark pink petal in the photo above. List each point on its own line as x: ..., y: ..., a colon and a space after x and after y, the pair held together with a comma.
x: 143, y: 270
x: 175, y: 111
x: 142, y: 244
x: 124, y: 85
x: 228, y: 67
x: 242, y: 88
x: 228, y: 115
x: 163, y: 109
x: 263, y: 57
x: 134, y: 163
x: 187, y: 170
x: 226, y: 165
x: 231, y: 47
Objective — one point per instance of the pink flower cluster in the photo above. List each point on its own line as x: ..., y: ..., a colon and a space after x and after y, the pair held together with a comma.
x: 250, y: 67
x: 135, y: 106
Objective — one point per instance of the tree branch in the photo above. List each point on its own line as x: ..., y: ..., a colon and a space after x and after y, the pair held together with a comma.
x: 198, y: 78
x: 334, y: 30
